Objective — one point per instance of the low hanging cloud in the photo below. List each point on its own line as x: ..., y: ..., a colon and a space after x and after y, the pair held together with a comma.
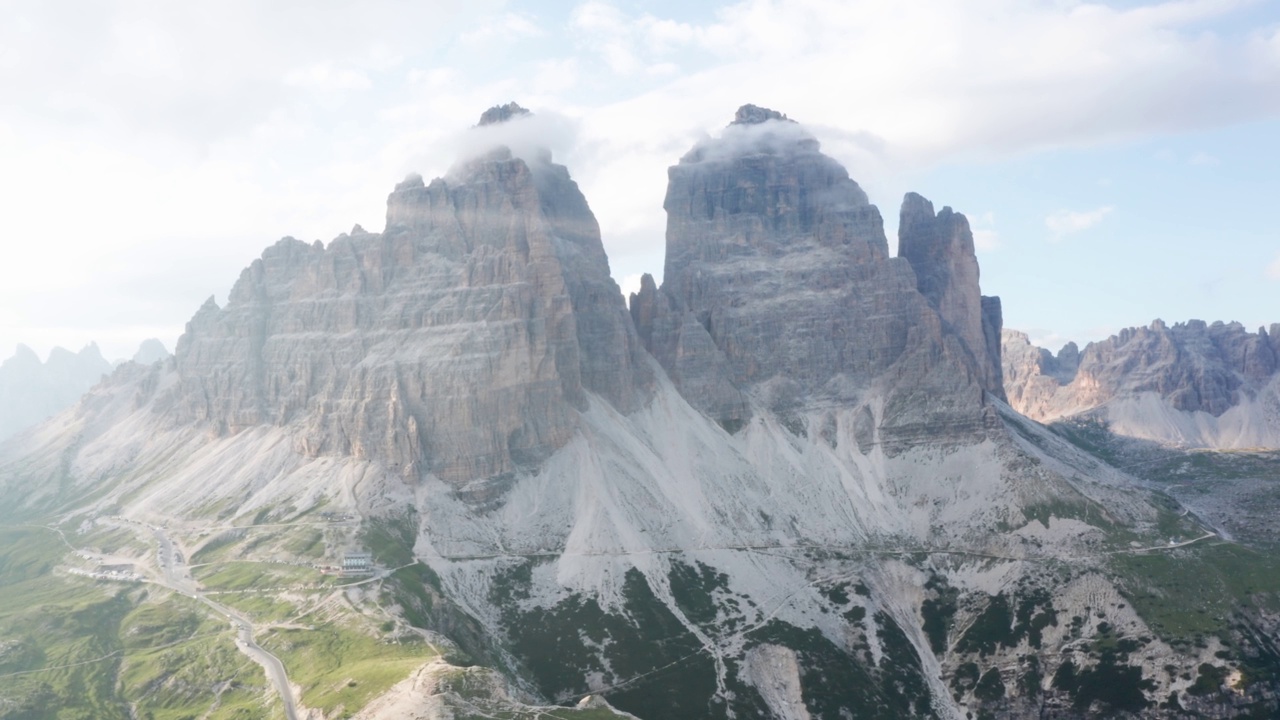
x: 1069, y: 222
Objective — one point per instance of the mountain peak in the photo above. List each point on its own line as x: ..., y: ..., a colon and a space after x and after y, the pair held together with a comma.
x: 151, y: 351
x: 502, y: 113
x: 754, y: 115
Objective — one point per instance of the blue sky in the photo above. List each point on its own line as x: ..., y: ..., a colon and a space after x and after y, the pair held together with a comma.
x: 1117, y: 160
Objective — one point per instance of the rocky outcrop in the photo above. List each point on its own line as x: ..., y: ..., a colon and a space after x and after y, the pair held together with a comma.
x: 940, y: 250
x: 779, y: 290
x: 1193, y: 383
x: 460, y: 342
x: 31, y: 391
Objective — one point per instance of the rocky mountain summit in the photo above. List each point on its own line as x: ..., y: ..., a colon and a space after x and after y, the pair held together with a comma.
x: 780, y: 485
x: 1194, y: 384
x: 472, y: 329
x: 779, y: 291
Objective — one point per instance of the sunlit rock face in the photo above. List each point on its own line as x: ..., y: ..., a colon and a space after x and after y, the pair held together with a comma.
x: 1193, y: 383
x: 779, y: 290
x: 459, y: 342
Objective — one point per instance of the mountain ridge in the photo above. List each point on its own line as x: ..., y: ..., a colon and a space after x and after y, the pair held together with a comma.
x: 1194, y: 384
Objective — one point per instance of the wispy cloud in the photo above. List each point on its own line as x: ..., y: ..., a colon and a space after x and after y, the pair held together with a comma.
x: 985, y: 237
x: 504, y: 28
x: 1204, y: 158
x: 1068, y: 222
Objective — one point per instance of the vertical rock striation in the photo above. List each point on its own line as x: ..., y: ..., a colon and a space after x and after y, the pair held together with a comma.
x: 940, y: 250
x: 461, y: 341
x: 779, y: 290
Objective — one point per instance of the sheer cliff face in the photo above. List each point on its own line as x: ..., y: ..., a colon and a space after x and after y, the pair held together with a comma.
x: 1195, y: 383
x: 460, y: 342
x: 940, y: 250
x: 779, y: 287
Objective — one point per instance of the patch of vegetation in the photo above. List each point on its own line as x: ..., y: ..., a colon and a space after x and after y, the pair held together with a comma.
x: 1000, y: 625
x: 939, y: 611
x: 965, y: 678
x: 1114, y: 683
x: 245, y: 575
x: 732, y: 425
x: 1092, y: 436
x: 64, y: 636
x: 1192, y: 591
x: 836, y: 683
x: 991, y: 629
x: 990, y: 687
x: 411, y: 592
x: 391, y: 539
x: 307, y: 543
x: 341, y: 666
x: 694, y: 589
x: 185, y: 677
x: 111, y: 540
x: 664, y: 665
x: 1030, y: 680
x: 261, y: 608
x: 217, y: 547
x: 1209, y: 678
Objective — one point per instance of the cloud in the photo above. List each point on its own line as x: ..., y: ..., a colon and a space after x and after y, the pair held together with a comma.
x: 1273, y: 270
x: 528, y: 137
x: 985, y: 237
x: 986, y: 76
x: 1202, y: 159
x: 200, y: 72
x: 1068, y: 222
x: 505, y: 28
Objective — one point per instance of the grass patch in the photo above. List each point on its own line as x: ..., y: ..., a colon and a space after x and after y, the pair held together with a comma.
x: 391, y: 539
x: 184, y: 661
x: 342, y: 668
x: 1192, y: 591
x: 245, y: 575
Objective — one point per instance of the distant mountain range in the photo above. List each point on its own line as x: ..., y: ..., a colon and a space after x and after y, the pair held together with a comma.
x: 31, y: 390
x: 1193, y: 384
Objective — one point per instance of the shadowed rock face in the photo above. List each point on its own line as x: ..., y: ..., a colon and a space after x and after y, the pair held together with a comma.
x: 779, y: 288
x: 461, y: 341
x: 940, y: 250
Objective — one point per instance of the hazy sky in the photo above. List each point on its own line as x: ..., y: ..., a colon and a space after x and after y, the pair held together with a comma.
x: 1120, y: 161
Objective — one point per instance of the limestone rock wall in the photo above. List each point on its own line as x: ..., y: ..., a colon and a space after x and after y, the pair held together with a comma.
x: 461, y: 341
x: 940, y: 249
x: 779, y: 288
